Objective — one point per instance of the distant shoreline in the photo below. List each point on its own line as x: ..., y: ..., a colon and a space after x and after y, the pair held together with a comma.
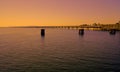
x: 94, y: 28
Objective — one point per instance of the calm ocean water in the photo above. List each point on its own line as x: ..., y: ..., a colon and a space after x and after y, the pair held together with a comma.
x: 61, y: 50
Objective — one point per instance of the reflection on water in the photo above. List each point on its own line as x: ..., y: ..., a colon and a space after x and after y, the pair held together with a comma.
x: 24, y: 50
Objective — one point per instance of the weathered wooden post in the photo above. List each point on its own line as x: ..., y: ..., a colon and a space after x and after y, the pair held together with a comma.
x: 81, y: 31
x: 42, y: 32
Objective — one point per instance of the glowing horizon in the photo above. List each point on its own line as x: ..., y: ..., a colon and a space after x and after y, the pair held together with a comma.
x: 58, y: 12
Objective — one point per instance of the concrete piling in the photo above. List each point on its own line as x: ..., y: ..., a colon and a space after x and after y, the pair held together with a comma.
x: 42, y: 32
x: 81, y: 31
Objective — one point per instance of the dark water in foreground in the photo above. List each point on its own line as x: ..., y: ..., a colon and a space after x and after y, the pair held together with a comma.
x: 24, y: 50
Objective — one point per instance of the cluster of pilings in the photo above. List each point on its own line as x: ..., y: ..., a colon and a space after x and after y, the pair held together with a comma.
x: 81, y: 32
x: 113, y: 31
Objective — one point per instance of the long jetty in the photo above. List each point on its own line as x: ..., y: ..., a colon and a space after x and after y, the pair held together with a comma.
x: 85, y: 27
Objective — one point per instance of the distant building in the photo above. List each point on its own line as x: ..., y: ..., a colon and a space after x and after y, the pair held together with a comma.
x: 119, y: 22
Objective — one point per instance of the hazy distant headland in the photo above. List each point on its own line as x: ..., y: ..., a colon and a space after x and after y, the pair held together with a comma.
x: 94, y: 26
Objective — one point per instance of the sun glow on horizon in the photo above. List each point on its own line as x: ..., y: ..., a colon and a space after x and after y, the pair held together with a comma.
x: 58, y: 12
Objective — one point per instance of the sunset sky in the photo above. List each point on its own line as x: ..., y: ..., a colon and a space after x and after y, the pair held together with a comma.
x: 58, y: 12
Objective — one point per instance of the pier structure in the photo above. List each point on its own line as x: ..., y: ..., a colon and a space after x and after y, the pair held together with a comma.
x: 73, y: 27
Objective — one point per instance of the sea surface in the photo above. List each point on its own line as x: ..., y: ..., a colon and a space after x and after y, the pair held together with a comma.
x: 60, y: 50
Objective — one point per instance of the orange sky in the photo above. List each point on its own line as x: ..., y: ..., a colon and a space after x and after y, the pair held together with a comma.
x: 58, y: 12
